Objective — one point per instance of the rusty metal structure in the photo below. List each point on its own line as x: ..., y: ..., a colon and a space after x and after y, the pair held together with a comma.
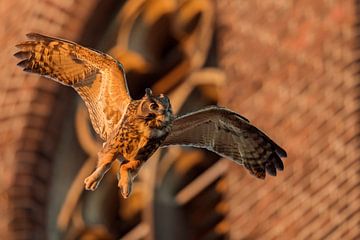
x: 289, y: 66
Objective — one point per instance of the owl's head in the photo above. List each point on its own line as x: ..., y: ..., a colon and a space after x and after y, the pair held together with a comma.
x: 156, y: 110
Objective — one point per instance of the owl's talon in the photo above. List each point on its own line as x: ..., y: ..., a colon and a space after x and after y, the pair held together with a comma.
x: 125, y: 187
x: 91, y: 183
x: 124, y: 192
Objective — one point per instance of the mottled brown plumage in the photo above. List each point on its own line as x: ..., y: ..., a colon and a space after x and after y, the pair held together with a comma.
x: 98, y: 78
x: 134, y: 129
x: 139, y: 134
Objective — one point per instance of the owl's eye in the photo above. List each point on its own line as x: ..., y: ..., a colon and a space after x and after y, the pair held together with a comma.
x: 154, y: 106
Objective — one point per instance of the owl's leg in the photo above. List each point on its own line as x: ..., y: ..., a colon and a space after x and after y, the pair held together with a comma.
x: 106, y: 158
x: 128, y: 172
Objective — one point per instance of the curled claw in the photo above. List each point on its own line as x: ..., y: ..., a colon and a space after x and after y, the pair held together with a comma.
x: 125, y: 191
x: 91, y: 183
x: 125, y: 185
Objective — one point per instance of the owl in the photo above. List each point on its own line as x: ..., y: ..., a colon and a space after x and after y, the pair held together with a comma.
x: 132, y: 130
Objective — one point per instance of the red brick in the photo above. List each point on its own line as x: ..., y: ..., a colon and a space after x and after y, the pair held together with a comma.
x: 287, y: 67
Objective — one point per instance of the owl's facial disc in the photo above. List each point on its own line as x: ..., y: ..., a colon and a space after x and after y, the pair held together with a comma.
x: 155, y: 104
x: 156, y: 109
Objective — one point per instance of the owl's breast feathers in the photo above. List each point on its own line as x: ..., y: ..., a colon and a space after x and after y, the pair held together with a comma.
x: 138, y: 137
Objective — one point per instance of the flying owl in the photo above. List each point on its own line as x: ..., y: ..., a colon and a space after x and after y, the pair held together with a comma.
x: 132, y: 130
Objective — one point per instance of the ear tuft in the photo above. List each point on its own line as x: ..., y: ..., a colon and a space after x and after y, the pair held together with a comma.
x: 148, y: 92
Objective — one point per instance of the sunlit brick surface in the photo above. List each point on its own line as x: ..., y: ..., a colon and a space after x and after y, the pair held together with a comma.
x: 291, y: 71
x: 28, y: 124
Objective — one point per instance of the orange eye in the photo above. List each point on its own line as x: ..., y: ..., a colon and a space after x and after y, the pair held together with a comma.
x: 154, y: 106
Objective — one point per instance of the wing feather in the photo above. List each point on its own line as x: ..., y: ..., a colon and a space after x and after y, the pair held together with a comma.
x: 98, y: 78
x: 229, y: 135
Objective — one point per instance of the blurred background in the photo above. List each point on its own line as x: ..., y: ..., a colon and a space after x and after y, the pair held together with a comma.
x: 291, y: 67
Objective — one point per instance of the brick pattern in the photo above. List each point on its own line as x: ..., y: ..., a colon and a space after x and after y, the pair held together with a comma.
x: 31, y: 113
x: 292, y: 71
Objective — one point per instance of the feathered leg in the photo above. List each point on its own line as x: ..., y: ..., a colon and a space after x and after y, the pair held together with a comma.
x: 106, y: 158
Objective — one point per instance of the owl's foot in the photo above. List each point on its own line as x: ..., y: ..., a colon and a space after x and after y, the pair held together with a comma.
x: 125, y: 184
x: 92, y: 181
x: 106, y: 157
x: 128, y: 172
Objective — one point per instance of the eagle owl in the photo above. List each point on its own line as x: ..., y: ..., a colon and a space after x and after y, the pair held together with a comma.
x: 132, y: 130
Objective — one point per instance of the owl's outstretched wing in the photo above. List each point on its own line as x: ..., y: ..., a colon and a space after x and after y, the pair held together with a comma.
x: 229, y: 135
x: 98, y: 78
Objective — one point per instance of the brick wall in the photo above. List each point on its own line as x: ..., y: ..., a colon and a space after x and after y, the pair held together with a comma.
x: 291, y: 70
x: 290, y: 65
x: 31, y: 112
